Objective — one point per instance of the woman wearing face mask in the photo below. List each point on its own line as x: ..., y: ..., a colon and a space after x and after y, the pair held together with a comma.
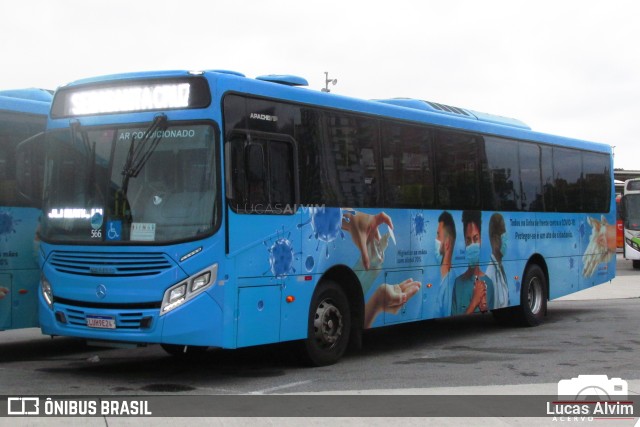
x: 498, y: 240
x: 473, y: 290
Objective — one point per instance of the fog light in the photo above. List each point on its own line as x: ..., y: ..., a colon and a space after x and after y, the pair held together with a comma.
x: 60, y: 317
x: 145, y: 323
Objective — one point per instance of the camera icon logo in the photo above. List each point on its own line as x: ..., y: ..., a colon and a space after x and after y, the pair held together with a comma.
x: 593, y: 386
x: 23, y: 406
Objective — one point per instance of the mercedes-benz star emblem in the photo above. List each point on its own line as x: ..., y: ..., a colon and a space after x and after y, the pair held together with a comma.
x: 101, y: 291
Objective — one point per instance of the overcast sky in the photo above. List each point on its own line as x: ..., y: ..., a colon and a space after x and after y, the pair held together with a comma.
x: 562, y: 66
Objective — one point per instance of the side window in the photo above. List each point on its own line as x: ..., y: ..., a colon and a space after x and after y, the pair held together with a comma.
x: 281, y: 172
x: 407, y: 166
x: 457, y: 170
x: 597, y: 185
x: 546, y: 172
x: 314, y: 172
x: 530, y: 178
x: 30, y: 171
x: 351, y: 159
x: 567, y: 171
x: 67, y: 169
x: 504, y: 173
x: 20, y: 166
x: 260, y: 172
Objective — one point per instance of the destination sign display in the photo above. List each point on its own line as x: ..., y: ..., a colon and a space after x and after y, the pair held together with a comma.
x: 131, y: 96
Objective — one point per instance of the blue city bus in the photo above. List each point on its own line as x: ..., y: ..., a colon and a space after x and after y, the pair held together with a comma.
x: 23, y: 114
x: 208, y: 209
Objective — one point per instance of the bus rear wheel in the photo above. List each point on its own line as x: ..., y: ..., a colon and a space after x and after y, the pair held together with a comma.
x: 533, y: 297
x: 636, y: 264
x: 329, y: 325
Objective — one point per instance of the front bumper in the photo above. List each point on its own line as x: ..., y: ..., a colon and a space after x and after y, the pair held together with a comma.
x: 197, y: 322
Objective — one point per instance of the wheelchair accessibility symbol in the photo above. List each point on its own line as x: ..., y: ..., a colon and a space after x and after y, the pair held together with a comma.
x: 114, y: 230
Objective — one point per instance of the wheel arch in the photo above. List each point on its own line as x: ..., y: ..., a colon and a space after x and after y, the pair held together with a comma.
x: 537, y: 259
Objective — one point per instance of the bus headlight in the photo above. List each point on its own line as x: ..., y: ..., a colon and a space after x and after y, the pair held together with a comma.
x: 201, y: 281
x: 633, y: 244
x: 178, y: 294
x: 47, y: 292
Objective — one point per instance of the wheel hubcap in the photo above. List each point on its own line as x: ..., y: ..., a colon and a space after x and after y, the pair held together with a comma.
x: 534, y: 296
x: 327, y: 324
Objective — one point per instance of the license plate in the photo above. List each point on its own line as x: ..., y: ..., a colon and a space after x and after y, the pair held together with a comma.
x: 103, y: 322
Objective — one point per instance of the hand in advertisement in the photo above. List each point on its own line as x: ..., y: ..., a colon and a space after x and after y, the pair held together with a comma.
x: 3, y: 292
x: 479, y: 296
x: 364, y: 229
x: 601, y: 247
x: 390, y: 299
x: 483, y: 302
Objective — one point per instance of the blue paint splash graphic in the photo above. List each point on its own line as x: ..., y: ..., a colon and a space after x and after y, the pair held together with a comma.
x: 7, y: 225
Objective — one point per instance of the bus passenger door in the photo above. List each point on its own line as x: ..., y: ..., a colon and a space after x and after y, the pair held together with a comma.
x: 263, y: 233
x: 411, y: 309
x: 6, y: 291
x: 264, y: 225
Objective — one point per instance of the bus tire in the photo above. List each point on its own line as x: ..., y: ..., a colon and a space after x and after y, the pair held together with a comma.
x: 329, y: 325
x: 184, y: 351
x: 636, y: 264
x: 533, y: 297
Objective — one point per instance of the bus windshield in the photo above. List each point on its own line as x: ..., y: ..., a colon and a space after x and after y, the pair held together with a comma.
x: 632, y: 206
x: 130, y: 184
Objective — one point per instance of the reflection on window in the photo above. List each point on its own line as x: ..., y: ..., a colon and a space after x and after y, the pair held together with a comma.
x: 262, y: 178
x: 407, y: 171
x: 567, y: 169
x: 596, y: 187
x: 20, y: 164
x: 457, y: 170
x: 530, y: 177
x: 504, y: 174
x: 340, y: 155
x: 172, y: 193
x: 351, y: 160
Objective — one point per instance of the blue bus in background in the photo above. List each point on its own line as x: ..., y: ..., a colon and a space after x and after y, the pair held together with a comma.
x: 208, y: 209
x: 23, y: 114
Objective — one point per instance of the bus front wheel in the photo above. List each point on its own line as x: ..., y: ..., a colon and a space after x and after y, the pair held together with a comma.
x: 329, y: 325
x: 636, y: 264
x: 533, y: 297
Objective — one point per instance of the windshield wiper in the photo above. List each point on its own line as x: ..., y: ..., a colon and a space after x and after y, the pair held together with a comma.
x: 138, y: 156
